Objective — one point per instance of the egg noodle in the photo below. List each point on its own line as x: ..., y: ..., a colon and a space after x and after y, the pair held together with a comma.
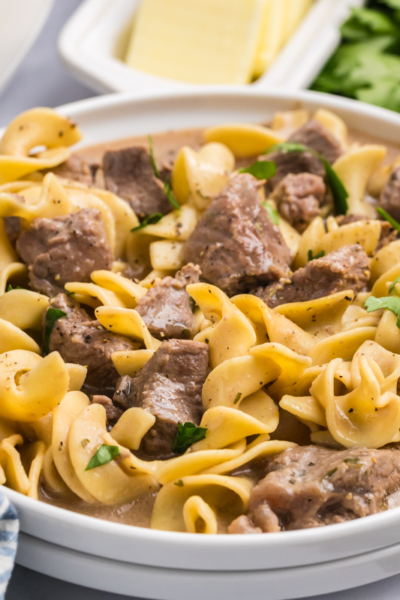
x: 316, y: 359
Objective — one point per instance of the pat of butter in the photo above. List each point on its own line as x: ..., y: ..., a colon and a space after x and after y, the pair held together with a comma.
x: 280, y: 20
x: 198, y: 41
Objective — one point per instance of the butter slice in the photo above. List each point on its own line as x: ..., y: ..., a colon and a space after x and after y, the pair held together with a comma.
x: 198, y: 41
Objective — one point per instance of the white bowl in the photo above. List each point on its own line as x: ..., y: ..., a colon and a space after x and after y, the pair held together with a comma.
x: 262, y: 558
x: 95, y: 38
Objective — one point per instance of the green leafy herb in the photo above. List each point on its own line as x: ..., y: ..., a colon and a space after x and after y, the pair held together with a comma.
x: 179, y: 483
x: 237, y: 397
x: 272, y: 212
x: 339, y: 192
x: 262, y: 169
x: 388, y: 218
x: 318, y: 255
x: 389, y: 302
x: 70, y: 294
x: 152, y: 158
x: 367, y: 64
x: 52, y: 315
x: 393, y: 284
x: 331, y: 472
x: 104, y: 455
x: 10, y: 288
x: 170, y: 195
x: 351, y: 461
x: 187, y: 435
x: 150, y: 220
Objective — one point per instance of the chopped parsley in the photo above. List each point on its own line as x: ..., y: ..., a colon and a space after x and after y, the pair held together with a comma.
x: 187, y: 435
x: 393, y: 284
x: 179, y: 483
x: 52, y: 315
x: 170, y: 195
x: 339, y: 192
x: 237, y: 397
x: 389, y: 219
x: 351, y: 461
x: 150, y: 220
x: 10, y: 288
x: 331, y: 472
x: 261, y: 169
x: 272, y: 212
x: 104, y: 455
x: 389, y: 302
x: 318, y: 255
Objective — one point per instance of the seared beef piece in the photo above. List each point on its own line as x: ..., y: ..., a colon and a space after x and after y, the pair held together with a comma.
x: 123, y: 389
x: 169, y: 387
x: 75, y: 168
x: 64, y: 249
x: 235, y: 244
x: 112, y: 412
x: 298, y: 198
x: 311, y: 486
x: 83, y: 341
x: 388, y: 233
x: 314, y: 135
x: 13, y: 229
x: 295, y: 163
x: 390, y: 196
x: 166, y: 308
x: 129, y: 174
x: 343, y: 269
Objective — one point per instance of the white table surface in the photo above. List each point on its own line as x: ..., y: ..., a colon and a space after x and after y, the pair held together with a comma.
x: 42, y: 81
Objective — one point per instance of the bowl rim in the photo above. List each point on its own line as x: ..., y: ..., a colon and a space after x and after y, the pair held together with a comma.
x: 41, y: 511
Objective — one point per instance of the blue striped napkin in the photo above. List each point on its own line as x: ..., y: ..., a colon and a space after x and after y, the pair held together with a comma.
x: 9, y: 527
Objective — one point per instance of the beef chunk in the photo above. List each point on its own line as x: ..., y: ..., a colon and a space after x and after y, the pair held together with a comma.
x: 166, y: 308
x: 390, y: 197
x: 75, y: 168
x: 12, y: 225
x: 189, y: 274
x: 113, y: 413
x: 121, y: 396
x: 83, y: 341
x: 129, y: 174
x: 235, y: 243
x: 343, y: 269
x: 298, y: 198
x: 388, y: 233
x: 169, y: 387
x: 311, y: 486
x: 316, y: 136
x: 64, y: 249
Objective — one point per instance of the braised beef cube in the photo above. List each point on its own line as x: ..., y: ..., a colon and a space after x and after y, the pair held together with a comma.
x: 76, y: 169
x: 83, y: 341
x: 388, y: 233
x: 390, y: 196
x: 123, y: 389
x: 169, y: 387
x: 64, y: 249
x: 311, y: 486
x: 167, y: 308
x: 235, y: 243
x: 293, y: 163
x: 129, y: 174
x: 12, y: 226
x: 298, y: 198
x: 343, y: 269
x: 316, y: 136
x: 113, y: 413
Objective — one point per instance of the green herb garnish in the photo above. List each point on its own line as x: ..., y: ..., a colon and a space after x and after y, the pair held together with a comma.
x: 389, y: 302
x: 179, y: 483
x: 261, y: 169
x: 152, y: 157
x: 170, y: 195
x: 10, y: 288
x: 104, y: 455
x: 393, y: 284
x: 150, y: 220
x: 331, y: 472
x: 187, y: 435
x: 272, y: 212
x: 237, y: 397
x: 318, y: 255
x: 351, y: 461
x: 388, y: 218
x: 52, y: 315
x: 339, y: 192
